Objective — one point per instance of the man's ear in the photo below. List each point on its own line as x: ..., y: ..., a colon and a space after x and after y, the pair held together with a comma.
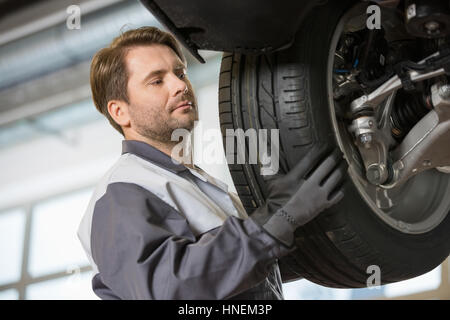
x: 119, y: 111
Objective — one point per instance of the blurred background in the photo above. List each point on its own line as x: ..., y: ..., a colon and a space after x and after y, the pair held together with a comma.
x: 55, y: 146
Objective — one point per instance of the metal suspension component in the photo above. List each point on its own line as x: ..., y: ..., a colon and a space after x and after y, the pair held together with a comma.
x: 407, y: 111
x: 374, y: 138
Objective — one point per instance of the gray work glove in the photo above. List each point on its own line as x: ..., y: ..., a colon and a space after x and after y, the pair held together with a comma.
x: 297, y: 197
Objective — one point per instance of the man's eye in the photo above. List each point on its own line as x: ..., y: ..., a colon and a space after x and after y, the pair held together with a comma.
x: 156, y: 82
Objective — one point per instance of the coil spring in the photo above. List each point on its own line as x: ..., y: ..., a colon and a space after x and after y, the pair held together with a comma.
x: 407, y: 111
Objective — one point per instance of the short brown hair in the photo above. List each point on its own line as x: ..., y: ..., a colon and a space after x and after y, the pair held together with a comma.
x: 109, y: 75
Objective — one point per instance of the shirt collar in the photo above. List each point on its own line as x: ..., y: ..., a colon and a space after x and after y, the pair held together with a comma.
x: 159, y: 158
x: 152, y: 154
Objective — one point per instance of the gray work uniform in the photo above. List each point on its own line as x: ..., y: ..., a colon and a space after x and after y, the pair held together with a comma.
x: 155, y: 229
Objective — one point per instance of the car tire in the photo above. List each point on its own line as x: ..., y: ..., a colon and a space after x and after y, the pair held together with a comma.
x: 287, y: 90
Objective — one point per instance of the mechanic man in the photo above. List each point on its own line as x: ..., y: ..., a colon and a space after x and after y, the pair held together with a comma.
x: 157, y: 228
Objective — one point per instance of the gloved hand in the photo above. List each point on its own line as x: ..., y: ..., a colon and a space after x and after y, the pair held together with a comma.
x: 299, y: 196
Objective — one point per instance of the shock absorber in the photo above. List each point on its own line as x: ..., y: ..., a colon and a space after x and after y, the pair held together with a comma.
x: 407, y: 111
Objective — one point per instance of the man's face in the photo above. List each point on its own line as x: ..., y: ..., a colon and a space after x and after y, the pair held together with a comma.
x: 161, y: 98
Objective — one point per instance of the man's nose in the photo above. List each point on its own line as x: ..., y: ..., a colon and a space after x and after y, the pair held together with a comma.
x: 178, y: 85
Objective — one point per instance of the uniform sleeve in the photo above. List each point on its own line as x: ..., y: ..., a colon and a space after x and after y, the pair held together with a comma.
x: 144, y: 249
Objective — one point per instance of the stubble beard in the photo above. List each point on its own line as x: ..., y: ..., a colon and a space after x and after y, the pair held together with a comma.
x: 159, y: 126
